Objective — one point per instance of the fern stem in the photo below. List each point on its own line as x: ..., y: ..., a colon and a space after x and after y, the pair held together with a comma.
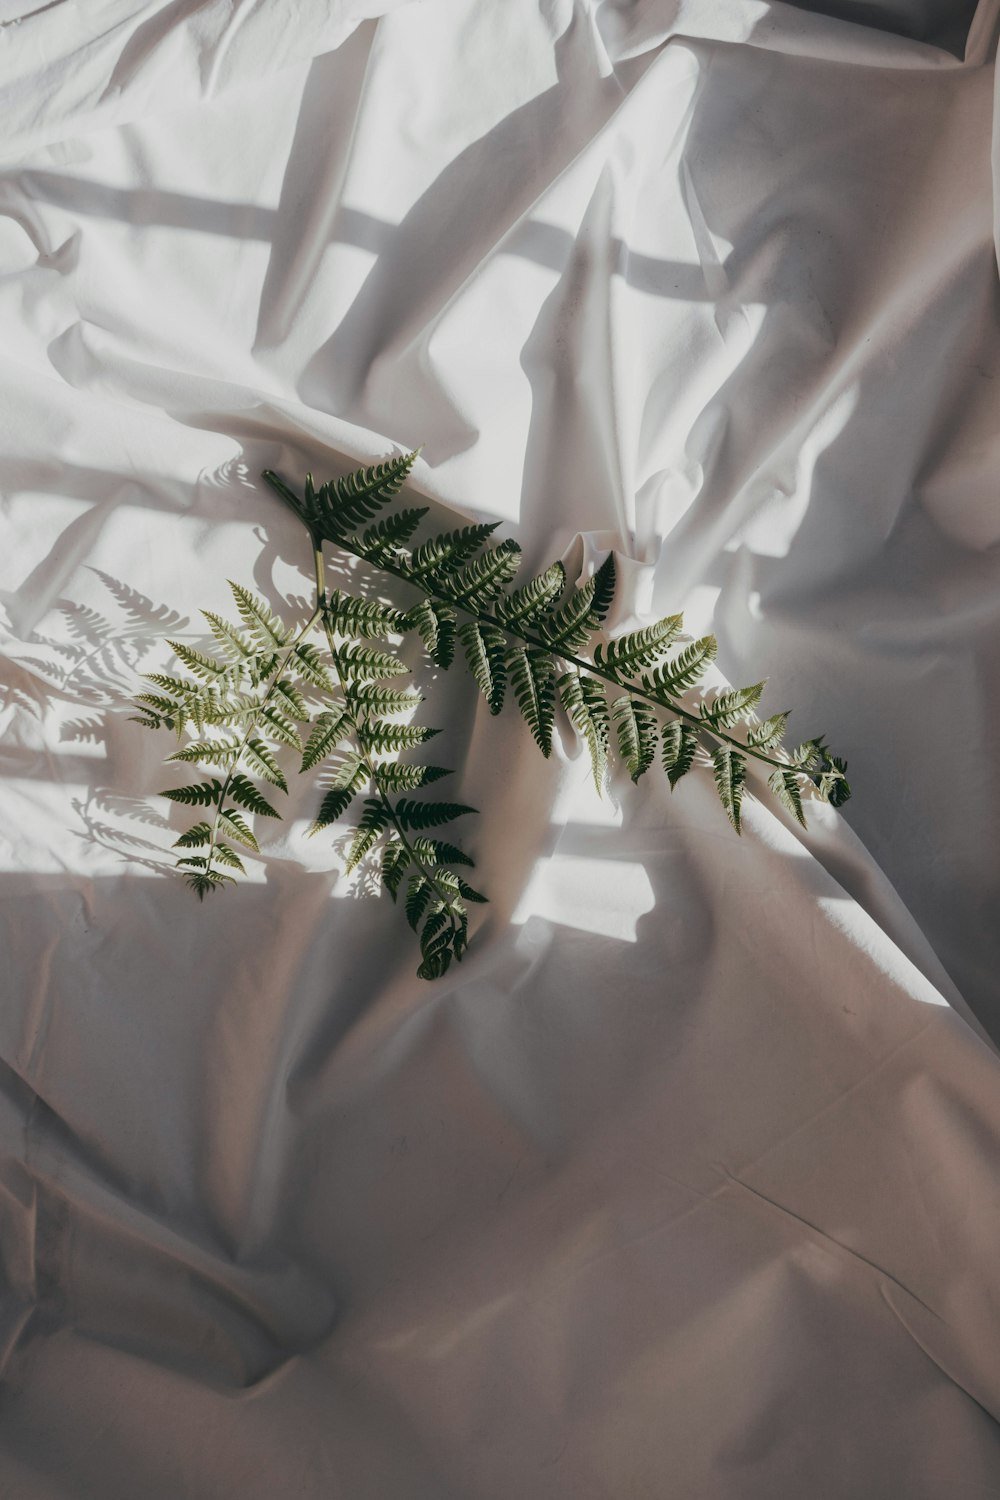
x: 529, y: 639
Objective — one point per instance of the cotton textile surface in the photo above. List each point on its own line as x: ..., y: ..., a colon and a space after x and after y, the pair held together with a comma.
x: 685, y: 1183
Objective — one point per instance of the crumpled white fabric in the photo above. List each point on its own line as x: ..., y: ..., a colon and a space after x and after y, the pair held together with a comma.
x: 685, y: 1183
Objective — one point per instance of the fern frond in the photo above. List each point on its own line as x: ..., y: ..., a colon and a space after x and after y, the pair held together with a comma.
x: 341, y: 506
x: 369, y: 698
x: 347, y: 782
x: 571, y: 626
x: 367, y: 618
x: 197, y: 662
x: 437, y: 852
x: 289, y: 700
x: 308, y: 664
x: 479, y: 581
x: 227, y: 856
x: 394, y: 776
x: 526, y: 606
x: 731, y: 707
x: 235, y: 826
x: 234, y: 643
x: 421, y: 815
x: 260, y: 759
x: 327, y: 732
x: 203, y: 794
x: 202, y: 882
x: 768, y: 734
x: 382, y: 738
x: 636, y: 725
x: 447, y: 551
x: 436, y: 624
x: 831, y: 780
x: 485, y: 651
x: 265, y: 628
x: 586, y: 704
x: 365, y: 664
x: 209, y: 753
x: 195, y: 837
x: 419, y: 895
x: 684, y: 670
x: 785, y: 786
x: 279, y: 727
x: 730, y: 774
x: 379, y: 542
x: 639, y: 649
x: 395, y: 862
x: 531, y: 680
x: 243, y: 791
x: 680, y: 743
x: 371, y: 826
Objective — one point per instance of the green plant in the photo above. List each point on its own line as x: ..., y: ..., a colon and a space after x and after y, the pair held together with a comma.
x: 324, y: 692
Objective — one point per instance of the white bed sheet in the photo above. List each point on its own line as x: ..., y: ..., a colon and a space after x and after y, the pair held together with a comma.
x: 685, y: 1183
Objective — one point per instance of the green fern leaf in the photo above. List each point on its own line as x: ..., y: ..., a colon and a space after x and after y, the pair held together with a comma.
x: 372, y: 824
x: 195, y: 837
x: 769, y: 734
x: 435, y: 622
x: 379, y: 542
x: 234, y: 643
x: 202, y: 882
x: 448, y: 550
x: 180, y: 688
x: 204, y: 794
x: 470, y: 894
x: 209, y: 753
x: 233, y: 824
x: 831, y: 780
x: 202, y: 666
x: 586, y: 704
x: 342, y: 505
x: 730, y: 775
x: 684, y: 670
x: 729, y: 708
x: 571, y: 626
x: 437, y: 852
x: 531, y: 679
x: 365, y: 664
x: 785, y: 786
x: 382, y: 738
x: 266, y: 629
x: 396, y: 777
x: 480, y: 580
x: 485, y: 651
x: 227, y: 856
x: 680, y: 742
x: 395, y: 862
x: 422, y: 815
x: 279, y: 728
x: 260, y: 759
x: 308, y: 664
x: 372, y: 699
x: 636, y: 725
x: 367, y: 618
x: 289, y: 700
x: 527, y: 605
x: 243, y: 791
x: 640, y: 649
x: 347, y: 782
x: 326, y: 735
x: 419, y: 895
